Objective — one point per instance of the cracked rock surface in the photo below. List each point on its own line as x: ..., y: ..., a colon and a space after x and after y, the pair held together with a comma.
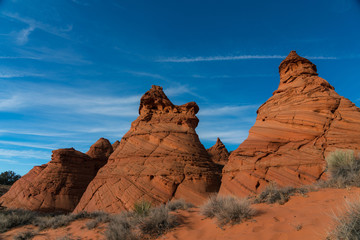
x: 158, y: 159
x: 295, y: 129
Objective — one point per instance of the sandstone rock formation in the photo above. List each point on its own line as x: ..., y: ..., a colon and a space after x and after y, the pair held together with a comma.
x: 218, y: 153
x: 59, y: 184
x: 158, y: 159
x: 295, y: 129
x: 115, y: 144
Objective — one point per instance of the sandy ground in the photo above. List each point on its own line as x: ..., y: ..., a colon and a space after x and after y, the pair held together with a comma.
x: 303, y: 217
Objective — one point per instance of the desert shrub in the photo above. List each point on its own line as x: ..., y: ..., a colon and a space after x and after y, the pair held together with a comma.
x: 178, y: 204
x: 142, y: 208
x: 347, y: 226
x: 101, y: 217
x: 121, y: 227
x: 62, y: 220
x: 9, y: 177
x: 158, y: 221
x: 228, y: 209
x: 274, y: 194
x: 11, y: 218
x: 24, y: 235
x: 343, y: 168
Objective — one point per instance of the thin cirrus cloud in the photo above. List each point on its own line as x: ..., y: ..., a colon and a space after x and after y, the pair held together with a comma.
x: 227, y: 110
x: 23, y: 35
x: 231, y: 58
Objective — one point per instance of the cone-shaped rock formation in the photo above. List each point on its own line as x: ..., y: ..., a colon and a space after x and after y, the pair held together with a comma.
x: 218, y: 153
x: 158, y: 159
x: 59, y: 184
x: 295, y: 129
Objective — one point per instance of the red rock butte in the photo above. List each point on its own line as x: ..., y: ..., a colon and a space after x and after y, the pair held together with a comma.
x: 59, y: 184
x: 160, y: 158
x: 295, y: 130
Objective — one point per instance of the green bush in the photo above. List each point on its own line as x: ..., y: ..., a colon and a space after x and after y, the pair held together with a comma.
x: 228, y: 209
x: 142, y: 208
x: 9, y: 177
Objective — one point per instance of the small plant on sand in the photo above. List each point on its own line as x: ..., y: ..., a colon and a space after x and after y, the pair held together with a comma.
x: 347, y: 226
x: 343, y: 168
x: 227, y: 209
x: 142, y: 207
x: 274, y: 194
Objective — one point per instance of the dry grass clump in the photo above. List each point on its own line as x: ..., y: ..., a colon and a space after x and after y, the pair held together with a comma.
x: 122, y: 226
x: 24, y: 235
x: 179, y: 204
x: 275, y: 194
x: 158, y: 221
x: 100, y: 217
x: 347, y: 226
x: 343, y: 168
x: 144, y: 221
x: 11, y: 218
x: 62, y: 220
x: 228, y: 209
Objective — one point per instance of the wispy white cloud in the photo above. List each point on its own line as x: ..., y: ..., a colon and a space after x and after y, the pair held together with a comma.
x: 33, y: 133
x: 7, y: 153
x: 229, y: 58
x: 79, y: 2
x: 227, y: 136
x: 10, y: 73
x: 26, y: 144
x: 67, y: 101
x: 17, y: 162
x: 226, y: 110
x: 62, y: 56
x: 23, y: 35
x: 146, y: 74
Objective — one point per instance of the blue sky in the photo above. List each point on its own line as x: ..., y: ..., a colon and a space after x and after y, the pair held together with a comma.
x: 72, y: 71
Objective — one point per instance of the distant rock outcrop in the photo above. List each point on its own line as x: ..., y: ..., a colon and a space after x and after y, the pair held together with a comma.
x: 115, y: 145
x: 218, y: 153
x: 295, y: 129
x: 59, y: 184
x: 158, y: 159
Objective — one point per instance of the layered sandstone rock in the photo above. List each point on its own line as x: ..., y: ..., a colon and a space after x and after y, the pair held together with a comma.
x: 158, y: 159
x: 59, y: 184
x: 295, y: 129
x: 218, y: 153
x: 115, y: 144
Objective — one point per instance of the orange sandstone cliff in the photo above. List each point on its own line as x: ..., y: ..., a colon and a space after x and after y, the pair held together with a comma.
x: 59, y: 184
x: 158, y: 159
x: 295, y: 129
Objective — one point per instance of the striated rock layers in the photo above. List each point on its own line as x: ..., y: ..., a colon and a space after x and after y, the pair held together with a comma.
x: 295, y: 129
x: 158, y: 159
x: 218, y: 153
x: 59, y: 184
